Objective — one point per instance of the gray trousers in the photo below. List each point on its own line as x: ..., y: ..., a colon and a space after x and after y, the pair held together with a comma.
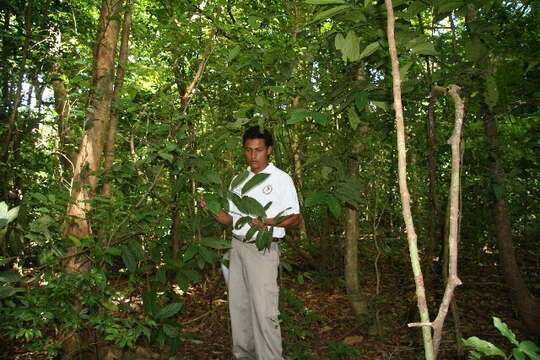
x: 253, y: 302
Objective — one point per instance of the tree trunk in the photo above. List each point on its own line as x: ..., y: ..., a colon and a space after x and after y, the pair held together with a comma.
x: 119, y: 82
x: 434, y: 228
x: 527, y: 305
x: 403, y: 189
x: 352, y: 235
x: 63, y: 108
x: 96, y: 127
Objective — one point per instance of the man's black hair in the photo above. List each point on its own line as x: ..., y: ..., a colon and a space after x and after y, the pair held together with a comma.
x: 254, y: 132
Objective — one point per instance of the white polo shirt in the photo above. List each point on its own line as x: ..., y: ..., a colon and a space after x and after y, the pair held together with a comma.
x: 277, y: 188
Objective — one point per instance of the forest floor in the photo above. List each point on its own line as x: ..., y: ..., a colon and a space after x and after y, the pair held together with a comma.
x: 318, y: 322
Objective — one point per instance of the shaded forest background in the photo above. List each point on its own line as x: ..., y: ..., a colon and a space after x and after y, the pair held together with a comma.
x: 117, y: 115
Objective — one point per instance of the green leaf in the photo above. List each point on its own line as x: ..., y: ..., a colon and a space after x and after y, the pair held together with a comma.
x: 349, y: 46
x: 213, y: 202
x: 233, y: 53
x: 12, y: 214
x: 319, y: 118
x: 252, y: 230
x: 253, y: 207
x: 166, y: 156
x: 7, y: 291
x: 297, y: 115
x: 9, y: 276
x: 215, y: 243
x: 129, y: 259
x: 76, y: 241
x: 354, y: 119
x: 238, y: 179
x: 315, y: 198
x: 424, y: 48
x: 237, y: 201
x: 447, y: 6
x: 334, y: 205
x: 3, y: 210
x: 361, y: 100
x: 267, y: 206
x: 325, y: 2
x: 370, y: 49
x: 483, y: 346
x: 191, y: 252
x: 169, y: 310
x: 170, y: 330
x: 254, y: 181
x: 264, y: 238
x: 242, y: 221
x: 282, y: 218
x: 503, y: 329
x: 192, y: 274
x: 517, y: 354
x: 208, y: 255
x: 330, y: 12
x: 531, y: 349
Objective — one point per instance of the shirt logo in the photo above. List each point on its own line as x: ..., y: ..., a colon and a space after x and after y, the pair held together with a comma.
x: 267, y: 189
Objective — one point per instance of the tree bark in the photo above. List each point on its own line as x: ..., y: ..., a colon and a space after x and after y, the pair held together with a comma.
x: 455, y: 185
x: 118, y: 84
x: 527, y: 305
x: 96, y: 127
x: 403, y: 189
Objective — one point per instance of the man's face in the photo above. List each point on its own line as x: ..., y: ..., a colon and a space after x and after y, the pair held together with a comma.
x: 257, y: 154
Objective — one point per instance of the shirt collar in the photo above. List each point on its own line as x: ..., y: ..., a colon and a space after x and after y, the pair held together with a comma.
x: 267, y: 170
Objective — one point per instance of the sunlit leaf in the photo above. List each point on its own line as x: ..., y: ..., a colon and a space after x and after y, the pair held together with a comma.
x: 324, y: 2
x: 330, y: 12
x: 531, y: 349
x: 370, y: 49
x: 503, y: 328
x: 483, y: 346
x: 12, y: 214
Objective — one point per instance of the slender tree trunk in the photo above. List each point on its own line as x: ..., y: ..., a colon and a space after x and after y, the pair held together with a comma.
x: 527, y: 305
x: 118, y: 84
x: 96, y: 126
x: 63, y: 108
x: 404, y: 191
x: 90, y: 153
x: 352, y: 235
x: 454, y: 198
x: 434, y: 228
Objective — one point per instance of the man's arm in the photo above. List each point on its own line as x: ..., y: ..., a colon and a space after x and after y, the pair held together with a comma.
x: 290, y: 221
x: 222, y: 217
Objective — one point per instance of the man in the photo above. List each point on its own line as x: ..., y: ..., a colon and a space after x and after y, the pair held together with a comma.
x: 253, y: 289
